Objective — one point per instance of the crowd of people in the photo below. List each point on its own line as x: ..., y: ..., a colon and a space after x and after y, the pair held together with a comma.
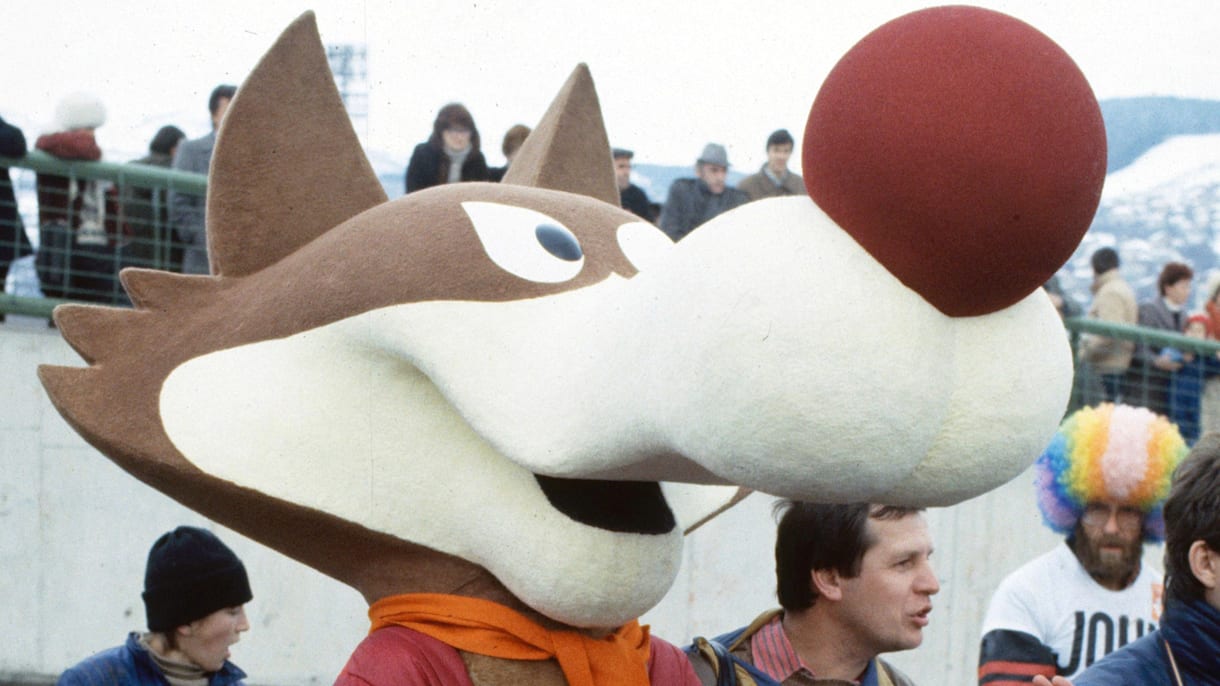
x: 855, y: 581
x: 89, y: 229
x: 1180, y: 383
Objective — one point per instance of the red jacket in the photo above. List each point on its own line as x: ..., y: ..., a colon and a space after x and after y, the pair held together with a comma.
x: 398, y: 656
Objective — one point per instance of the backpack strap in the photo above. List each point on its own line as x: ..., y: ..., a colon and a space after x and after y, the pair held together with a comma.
x: 718, y: 657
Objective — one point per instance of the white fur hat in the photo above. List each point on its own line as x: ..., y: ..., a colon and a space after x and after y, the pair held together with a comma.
x: 79, y: 110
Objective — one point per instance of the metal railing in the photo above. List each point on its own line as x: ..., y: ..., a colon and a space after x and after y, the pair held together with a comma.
x: 94, y: 219
x: 1183, y: 394
x: 137, y: 233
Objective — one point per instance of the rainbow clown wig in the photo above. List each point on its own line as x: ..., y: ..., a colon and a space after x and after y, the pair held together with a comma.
x: 1109, y: 452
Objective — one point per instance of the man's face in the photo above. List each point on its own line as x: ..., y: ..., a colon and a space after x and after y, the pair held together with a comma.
x: 622, y: 172
x: 777, y: 158
x: 206, y: 641
x: 886, y: 605
x: 714, y: 176
x: 1108, y: 543
x: 222, y: 106
x: 1178, y: 292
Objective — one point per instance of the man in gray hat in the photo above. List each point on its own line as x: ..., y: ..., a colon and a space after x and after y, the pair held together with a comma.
x: 693, y: 201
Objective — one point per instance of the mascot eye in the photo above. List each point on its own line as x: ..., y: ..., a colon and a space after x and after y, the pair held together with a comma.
x: 643, y: 244
x: 526, y: 243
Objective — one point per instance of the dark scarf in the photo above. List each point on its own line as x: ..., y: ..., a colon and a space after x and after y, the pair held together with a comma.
x: 1193, y: 631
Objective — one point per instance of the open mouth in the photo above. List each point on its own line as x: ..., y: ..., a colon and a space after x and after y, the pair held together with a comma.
x: 636, y: 507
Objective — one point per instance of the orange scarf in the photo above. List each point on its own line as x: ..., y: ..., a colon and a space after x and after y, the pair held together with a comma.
x: 487, y: 628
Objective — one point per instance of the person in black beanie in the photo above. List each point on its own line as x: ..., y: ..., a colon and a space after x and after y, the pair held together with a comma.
x: 194, y: 592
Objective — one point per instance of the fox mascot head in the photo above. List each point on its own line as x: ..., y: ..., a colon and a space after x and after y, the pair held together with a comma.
x: 492, y: 408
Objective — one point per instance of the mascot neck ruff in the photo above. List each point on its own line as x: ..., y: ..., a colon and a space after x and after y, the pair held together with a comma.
x: 471, y: 391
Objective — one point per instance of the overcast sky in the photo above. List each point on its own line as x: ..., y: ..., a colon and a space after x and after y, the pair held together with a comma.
x: 671, y: 75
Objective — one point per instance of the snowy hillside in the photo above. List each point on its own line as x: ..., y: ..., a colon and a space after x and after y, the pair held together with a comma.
x: 1164, y: 206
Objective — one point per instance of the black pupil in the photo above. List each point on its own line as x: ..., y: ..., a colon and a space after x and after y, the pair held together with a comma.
x: 558, y: 242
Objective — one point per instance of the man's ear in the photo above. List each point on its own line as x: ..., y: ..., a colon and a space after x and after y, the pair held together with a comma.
x: 827, y: 583
x: 1204, y: 564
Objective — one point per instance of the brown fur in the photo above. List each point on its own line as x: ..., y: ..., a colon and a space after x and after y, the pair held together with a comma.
x: 300, y: 236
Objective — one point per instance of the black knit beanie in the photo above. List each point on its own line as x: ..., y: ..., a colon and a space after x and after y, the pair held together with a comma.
x: 190, y: 575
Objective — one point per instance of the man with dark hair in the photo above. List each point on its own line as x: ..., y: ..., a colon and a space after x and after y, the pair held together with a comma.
x: 774, y: 179
x: 1100, y: 482
x: 1148, y: 379
x: 854, y: 581
x: 146, y: 211
x: 195, y: 588
x: 186, y: 211
x: 1113, y: 301
x: 1186, y: 649
x: 631, y: 197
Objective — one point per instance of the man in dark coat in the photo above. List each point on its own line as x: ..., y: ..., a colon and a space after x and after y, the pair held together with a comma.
x: 146, y: 211
x: 186, y: 210
x: 14, y: 244
x: 693, y: 201
x: 631, y: 197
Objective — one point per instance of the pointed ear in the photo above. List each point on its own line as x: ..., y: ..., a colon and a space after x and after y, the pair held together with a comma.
x: 827, y: 583
x: 287, y: 166
x: 569, y: 150
x: 1205, y: 564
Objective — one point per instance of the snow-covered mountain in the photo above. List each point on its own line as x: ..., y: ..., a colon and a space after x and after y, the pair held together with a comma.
x: 1161, y: 200
x: 1164, y: 206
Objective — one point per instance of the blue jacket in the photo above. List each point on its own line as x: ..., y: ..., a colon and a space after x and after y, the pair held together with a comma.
x: 1192, y: 630
x: 131, y: 665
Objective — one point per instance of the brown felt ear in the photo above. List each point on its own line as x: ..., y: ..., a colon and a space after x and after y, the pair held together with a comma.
x: 569, y: 150
x: 287, y: 165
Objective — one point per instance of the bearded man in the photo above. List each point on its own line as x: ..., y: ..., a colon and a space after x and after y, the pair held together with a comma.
x: 1101, y: 482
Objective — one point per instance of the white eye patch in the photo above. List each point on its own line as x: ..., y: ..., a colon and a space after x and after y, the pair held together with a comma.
x: 643, y: 244
x: 525, y: 242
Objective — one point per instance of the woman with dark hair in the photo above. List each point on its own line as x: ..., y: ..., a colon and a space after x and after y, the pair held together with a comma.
x: 451, y: 153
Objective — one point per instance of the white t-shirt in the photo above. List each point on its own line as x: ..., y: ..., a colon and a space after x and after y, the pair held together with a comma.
x: 1055, y: 600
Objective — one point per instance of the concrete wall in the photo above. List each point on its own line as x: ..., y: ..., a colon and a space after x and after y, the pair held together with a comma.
x: 75, y: 529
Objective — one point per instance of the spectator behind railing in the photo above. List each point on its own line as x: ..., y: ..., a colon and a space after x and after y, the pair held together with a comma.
x: 693, y: 201
x: 451, y: 154
x: 514, y: 138
x: 78, y: 237
x: 1113, y: 301
x: 14, y: 244
x: 1186, y: 384
x: 1152, y: 367
x: 1209, y: 411
x: 186, y: 210
x: 146, y: 212
x: 774, y: 179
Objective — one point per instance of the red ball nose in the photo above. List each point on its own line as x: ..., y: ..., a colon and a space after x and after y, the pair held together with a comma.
x: 964, y: 150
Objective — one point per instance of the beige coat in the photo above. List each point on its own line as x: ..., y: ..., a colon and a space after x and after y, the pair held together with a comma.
x: 1113, y: 301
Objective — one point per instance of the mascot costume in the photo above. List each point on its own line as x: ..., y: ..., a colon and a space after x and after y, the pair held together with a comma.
x: 473, y: 403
